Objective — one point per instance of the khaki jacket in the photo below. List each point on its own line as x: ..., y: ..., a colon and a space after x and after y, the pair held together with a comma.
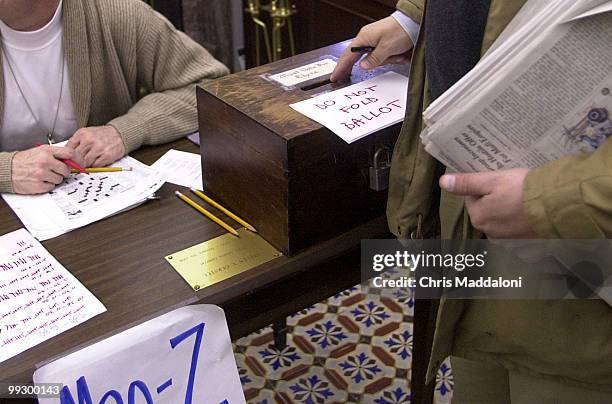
x: 569, y: 198
x: 113, y: 49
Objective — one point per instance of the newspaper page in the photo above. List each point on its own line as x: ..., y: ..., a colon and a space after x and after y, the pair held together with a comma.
x: 557, y: 102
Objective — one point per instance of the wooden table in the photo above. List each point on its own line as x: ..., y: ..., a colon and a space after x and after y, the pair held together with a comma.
x: 121, y: 261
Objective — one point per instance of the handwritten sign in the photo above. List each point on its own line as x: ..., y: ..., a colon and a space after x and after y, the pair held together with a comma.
x: 304, y: 73
x: 39, y: 298
x: 361, y: 109
x: 221, y: 258
x: 184, y: 356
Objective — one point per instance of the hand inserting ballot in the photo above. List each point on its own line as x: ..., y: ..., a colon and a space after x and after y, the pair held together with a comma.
x: 392, y: 45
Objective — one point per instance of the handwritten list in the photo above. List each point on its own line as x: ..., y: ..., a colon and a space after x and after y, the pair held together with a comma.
x: 39, y: 298
x: 361, y: 109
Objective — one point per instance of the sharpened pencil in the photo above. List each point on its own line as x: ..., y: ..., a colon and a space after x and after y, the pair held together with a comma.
x: 206, y: 213
x: 104, y: 169
x: 224, y: 210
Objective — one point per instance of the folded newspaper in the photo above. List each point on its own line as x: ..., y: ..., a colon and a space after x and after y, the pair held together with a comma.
x: 543, y: 91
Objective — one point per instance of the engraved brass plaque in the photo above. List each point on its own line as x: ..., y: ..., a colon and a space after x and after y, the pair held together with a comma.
x: 221, y: 258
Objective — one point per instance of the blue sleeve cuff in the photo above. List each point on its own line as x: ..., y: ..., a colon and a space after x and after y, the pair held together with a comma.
x: 409, y: 25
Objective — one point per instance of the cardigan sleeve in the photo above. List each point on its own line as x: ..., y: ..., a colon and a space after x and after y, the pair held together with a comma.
x: 170, y: 66
x: 6, y: 161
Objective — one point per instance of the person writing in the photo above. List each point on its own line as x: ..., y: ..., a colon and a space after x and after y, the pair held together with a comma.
x: 107, y: 75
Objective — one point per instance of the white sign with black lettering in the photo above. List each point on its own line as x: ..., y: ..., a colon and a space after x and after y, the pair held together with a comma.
x: 359, y: 110
x: 304, y: 73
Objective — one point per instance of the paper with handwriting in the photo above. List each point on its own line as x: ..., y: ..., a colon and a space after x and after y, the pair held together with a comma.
x: 39, y: 298
x: 359, y: 110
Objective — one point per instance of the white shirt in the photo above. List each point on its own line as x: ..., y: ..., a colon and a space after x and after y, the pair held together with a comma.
x: 37, y: 58
x: 409, y: 25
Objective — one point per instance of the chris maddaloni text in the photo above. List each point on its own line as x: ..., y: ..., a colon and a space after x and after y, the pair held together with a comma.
x: 453, y: 282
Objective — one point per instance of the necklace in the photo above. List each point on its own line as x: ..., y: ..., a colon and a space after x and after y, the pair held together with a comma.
x: 50, y: 132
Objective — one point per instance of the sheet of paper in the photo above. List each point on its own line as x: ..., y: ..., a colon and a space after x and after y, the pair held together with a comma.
x: 361, y: 109
x: 183, y: 356
x: 195, y: 138
x: 304, y: 73
x: 180, y: 168
x: 83, y: 199
x: 39, y: 298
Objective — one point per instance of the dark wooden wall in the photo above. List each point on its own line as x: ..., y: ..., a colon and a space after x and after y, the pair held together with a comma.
x: 324, y: 22
x: 172, y: 9
x: 208, y: 22
x: 318, y: 23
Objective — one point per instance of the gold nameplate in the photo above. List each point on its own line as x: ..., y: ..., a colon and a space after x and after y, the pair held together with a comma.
x: 221, y: 258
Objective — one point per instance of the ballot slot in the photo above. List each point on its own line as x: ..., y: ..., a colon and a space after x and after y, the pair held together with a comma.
x: 317, y: 84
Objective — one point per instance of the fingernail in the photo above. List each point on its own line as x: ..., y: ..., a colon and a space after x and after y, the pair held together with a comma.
x: 365, y: 65
x: 447, y: 182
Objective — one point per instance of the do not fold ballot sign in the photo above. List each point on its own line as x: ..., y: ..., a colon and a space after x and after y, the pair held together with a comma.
x: 184, y: 356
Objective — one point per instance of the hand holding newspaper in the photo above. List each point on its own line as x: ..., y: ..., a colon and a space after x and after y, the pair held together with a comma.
x: 542, y: 92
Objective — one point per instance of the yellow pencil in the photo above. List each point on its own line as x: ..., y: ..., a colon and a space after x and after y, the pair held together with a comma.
x: 206, y: 213
x: 104, y: 169
x: 222, y: 209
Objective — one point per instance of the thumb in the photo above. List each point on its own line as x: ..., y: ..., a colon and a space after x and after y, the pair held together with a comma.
x: 62, y: 152
x: 375, y: 59
x: 472, y: 184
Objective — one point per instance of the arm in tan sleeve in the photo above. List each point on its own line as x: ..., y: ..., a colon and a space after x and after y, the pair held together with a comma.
x: 170, y: 65
x: 412, y: 8
x: 6, y: 160
x: 572, y: 197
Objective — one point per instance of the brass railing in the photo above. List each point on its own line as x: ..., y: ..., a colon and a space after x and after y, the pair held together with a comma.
x: 280, y: 12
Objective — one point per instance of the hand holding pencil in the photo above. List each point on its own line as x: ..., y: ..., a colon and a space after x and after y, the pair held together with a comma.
x: 40, y: 169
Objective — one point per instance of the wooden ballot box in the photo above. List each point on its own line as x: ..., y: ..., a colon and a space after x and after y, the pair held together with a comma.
x: 290, y: 177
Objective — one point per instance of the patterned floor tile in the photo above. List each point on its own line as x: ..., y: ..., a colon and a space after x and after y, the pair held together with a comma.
x: 313, y: 387
x: 275, y: 364
x: 325, y: 335
x: 395, y: 393
x: 337, y: 300
x: 398, y: 344
x: 360, y: 369
x: 355, y: 347
x: 255, y: 338
x: 370, y: 315
x: 308, y: 315
x: 444, y: 383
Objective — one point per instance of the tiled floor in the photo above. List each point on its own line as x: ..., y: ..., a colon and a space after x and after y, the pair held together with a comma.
x: 355, y: 347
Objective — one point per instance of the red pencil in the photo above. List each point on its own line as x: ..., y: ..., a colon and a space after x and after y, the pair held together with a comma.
x: 71, y: 163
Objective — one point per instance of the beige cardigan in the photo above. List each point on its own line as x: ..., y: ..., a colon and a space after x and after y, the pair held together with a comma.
x: 113, y: 49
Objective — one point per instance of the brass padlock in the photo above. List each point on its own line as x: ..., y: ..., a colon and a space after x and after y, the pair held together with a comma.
x: 380, y: 169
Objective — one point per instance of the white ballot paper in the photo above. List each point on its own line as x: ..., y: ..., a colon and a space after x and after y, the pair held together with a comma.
x: 361, y: 109
x: 83, y: 199
x: 184, y: 356
x: 180, y: 168
x: 39, y: 298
